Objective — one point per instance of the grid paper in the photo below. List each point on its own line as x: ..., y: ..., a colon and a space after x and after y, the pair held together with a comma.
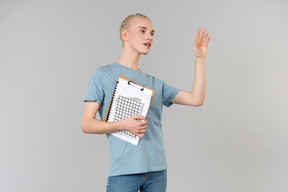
x: 126, y: 107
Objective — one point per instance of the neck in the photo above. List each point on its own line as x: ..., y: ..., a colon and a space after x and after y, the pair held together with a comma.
x: 129, y: 58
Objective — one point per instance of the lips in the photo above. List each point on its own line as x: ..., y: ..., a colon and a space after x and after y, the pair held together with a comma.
x: 147, y: 44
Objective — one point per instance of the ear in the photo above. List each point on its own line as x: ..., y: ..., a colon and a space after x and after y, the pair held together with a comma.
x: 124, y: 35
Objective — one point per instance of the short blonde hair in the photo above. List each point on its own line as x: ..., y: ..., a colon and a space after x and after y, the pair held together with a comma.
x: 126, y: 23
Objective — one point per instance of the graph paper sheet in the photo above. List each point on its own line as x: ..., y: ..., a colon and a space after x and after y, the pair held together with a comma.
x: 129, y: 98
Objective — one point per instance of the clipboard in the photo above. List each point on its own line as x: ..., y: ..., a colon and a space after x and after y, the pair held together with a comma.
x: 129, y: 98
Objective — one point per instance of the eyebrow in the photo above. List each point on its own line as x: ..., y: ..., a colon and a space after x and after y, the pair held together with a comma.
x: 146, y: 28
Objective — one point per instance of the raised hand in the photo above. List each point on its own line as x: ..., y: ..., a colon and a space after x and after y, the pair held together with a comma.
x: 201, y: 43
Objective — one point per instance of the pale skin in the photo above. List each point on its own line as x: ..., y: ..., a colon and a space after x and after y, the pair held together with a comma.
x: 141, y: 32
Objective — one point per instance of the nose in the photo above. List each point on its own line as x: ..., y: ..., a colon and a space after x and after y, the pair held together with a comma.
x: 150, y: 38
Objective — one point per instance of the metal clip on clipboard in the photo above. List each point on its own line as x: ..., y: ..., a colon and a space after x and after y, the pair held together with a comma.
x: 136, y: 85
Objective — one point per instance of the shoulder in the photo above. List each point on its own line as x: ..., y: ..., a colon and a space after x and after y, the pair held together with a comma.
x: 103, y: 71
x: 106, y: 74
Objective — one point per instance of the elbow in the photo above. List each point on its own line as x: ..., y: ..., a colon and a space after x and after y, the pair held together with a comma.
x: 196, y: 100
x: 198, y: 103
x: 84, y: 127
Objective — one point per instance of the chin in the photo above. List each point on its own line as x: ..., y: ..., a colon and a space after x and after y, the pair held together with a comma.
x: 145, y: 53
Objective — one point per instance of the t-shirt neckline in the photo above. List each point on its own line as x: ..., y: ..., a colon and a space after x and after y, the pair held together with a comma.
x: 125, y: 67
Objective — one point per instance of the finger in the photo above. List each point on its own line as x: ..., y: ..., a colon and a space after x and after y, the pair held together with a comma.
x: 141, y: 117
x: 142, y: 131
x: 208, y: 39
x: 142, y: 123
x: 206, y: 35
x: 202, y: 34
x: 140, y: 135
x: 143, y: 127
x: 197, y: 34
x: 138, y: 117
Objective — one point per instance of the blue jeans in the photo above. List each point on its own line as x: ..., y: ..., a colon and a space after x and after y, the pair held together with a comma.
x: 145, y: 182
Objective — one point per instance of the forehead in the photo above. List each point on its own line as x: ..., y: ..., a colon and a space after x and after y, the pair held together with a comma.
x: 142, y: 22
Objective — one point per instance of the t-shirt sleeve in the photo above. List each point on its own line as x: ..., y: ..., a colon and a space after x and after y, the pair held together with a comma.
x: 168, y: 93
x: 95, y: 88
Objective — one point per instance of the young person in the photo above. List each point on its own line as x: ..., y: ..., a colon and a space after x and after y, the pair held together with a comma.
x: 142, y: 167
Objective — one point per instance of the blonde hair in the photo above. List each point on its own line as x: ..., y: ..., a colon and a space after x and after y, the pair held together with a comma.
x: 126, y: 23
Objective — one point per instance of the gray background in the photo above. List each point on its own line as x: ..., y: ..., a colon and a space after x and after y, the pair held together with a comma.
x: 237, y: 141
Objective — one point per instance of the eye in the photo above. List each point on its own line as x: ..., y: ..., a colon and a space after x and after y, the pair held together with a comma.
x: 152, y: 34
x: 143, y: 31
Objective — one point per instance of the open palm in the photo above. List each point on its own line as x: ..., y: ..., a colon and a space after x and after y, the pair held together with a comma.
x: 201, y: 43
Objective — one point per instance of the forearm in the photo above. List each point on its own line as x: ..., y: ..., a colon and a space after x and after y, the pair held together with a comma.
x: 99, y: 127
x: 197, y: 95
x: 198, y: 89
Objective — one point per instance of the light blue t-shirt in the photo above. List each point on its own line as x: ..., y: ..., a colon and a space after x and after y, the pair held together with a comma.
x: 149, y: 154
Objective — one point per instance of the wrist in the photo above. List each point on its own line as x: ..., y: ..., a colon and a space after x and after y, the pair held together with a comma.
x: 121, y: 125
x: 199, y: 58
x: 115, y: 126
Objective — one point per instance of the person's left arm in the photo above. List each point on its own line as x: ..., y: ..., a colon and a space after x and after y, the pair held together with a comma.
x: 196, y: 96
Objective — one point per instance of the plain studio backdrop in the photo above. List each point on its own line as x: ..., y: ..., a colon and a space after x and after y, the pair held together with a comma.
x: 237, y: 141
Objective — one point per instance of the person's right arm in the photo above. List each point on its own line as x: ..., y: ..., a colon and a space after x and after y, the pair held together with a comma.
x: 91, y: 125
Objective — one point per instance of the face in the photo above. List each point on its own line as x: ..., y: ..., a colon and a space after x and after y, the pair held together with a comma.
x: 140, y: 35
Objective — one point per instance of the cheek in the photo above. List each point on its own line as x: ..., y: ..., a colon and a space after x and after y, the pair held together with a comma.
x: 136, y: 39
